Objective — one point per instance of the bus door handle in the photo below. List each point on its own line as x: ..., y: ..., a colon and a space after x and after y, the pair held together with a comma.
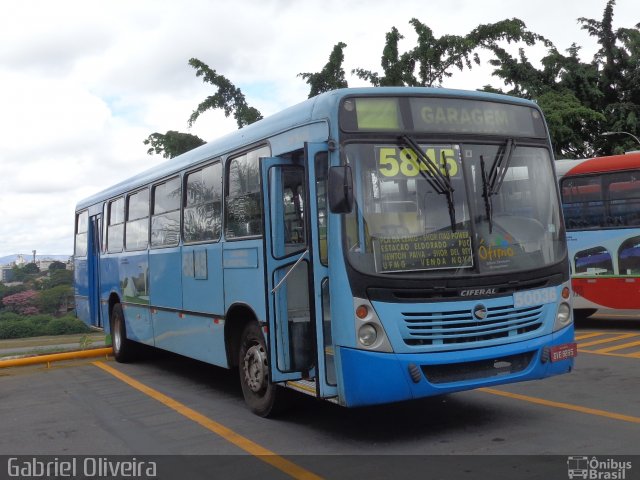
x: 281, y: 282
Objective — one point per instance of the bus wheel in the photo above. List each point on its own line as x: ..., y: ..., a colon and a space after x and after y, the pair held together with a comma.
x: 122, y: 346
x: 259, y: 393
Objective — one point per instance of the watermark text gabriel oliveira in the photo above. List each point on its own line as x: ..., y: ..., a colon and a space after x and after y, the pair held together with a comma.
x: 84, y: 467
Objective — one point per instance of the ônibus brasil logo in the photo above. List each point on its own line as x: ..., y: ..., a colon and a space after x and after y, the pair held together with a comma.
x: 597, y: 469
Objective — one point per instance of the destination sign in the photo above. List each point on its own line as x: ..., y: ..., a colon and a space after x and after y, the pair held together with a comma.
x: 432, y: 251
x: 472, y: 116
x: 441, y: 115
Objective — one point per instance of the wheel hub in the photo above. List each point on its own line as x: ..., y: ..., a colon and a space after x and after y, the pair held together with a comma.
x: 256, y: 368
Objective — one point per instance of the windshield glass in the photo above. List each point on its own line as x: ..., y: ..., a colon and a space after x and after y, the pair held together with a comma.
x: 435, y: 213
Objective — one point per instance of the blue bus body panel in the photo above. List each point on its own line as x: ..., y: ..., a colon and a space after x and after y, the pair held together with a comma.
x: 370, y: 378
x: 134, y: 285
x: 202, y: 285
x: 165, y: 283
x: 109, y: 284
x: 243, y: 264
x: 196, y: 336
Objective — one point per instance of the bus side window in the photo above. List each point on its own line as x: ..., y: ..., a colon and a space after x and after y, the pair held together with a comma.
x: 115, y: 228
x: 82, y: 224
x: 243, y: 197
x: 202, y: 209
x: 137, y: 225
x: 165, y: 214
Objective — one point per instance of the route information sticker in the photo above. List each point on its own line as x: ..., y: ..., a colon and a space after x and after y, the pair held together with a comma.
x: 432, y: 251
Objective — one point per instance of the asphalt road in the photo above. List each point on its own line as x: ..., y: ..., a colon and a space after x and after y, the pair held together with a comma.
x: 169, y: 405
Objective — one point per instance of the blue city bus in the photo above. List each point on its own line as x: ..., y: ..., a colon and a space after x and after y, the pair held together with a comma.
x: 366, y: 246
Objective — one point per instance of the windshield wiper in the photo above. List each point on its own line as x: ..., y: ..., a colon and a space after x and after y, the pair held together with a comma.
x: 492, y: 182
x: 440, y: 182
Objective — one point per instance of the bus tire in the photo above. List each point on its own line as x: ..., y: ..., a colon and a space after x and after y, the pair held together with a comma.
x: 123, y: 348
x: 263, y: 397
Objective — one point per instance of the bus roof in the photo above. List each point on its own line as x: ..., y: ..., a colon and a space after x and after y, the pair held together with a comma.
x: 322, y: 108
x: 611, y: 163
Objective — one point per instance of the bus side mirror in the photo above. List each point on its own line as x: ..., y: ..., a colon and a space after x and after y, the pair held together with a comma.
x: 340, y: 189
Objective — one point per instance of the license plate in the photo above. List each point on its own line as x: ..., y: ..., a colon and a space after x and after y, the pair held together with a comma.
x: 563, y: 352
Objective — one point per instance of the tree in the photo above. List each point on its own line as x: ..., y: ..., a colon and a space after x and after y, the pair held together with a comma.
x: 618, y: 64
x: 581, y: 100
x: 172, y: 143
x: 331, y: 76
x: 23, y: 303
x: 54, y: 299
x: 58, y: 277
x: 435, y: 57
x: 228, y: 97
x: 25, y: 272
x: 56, y: 265
x: 31, y: 268
x: 398, y: 69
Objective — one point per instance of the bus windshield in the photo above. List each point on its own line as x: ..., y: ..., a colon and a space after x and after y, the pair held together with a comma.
x: 452, y: 209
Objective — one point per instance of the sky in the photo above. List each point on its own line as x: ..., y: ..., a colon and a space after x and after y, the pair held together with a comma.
x: 84, y: 82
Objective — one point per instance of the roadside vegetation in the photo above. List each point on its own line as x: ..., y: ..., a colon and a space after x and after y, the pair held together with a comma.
x: 38, y: 303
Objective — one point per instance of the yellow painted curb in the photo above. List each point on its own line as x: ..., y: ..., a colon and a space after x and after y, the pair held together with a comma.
x: 56, y: 357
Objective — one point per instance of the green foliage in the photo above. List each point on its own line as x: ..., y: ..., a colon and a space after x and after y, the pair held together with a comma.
x: 398, y: 69
x: 26, y: 273
x: 31, y: 268
x: 58, y: 277
x: 39, y: 325
x: 85, y: 342
x: 57, y: 266
x: 435, y: 58
x: 66, y: 326
x: 228, y: 97
x: 570, y: 121
x: 331, y: 76
x: 53, y: 299
x: 6, y: 291
x: 172, y: 143
x: 17, y: 329
x: 582, y: 100
x: 9, y: 316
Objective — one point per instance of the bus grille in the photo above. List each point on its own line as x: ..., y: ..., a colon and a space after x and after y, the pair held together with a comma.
x: 460, y: 326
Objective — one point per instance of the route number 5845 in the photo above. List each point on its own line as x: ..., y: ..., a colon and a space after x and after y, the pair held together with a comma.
x: 394, y: 162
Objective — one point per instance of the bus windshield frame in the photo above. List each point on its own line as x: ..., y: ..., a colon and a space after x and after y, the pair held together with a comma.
x: 436, y: 214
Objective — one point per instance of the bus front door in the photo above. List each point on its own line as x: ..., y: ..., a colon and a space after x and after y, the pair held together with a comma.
x: 93, y: 266
x: 292, y: 292
x: 287, y: 270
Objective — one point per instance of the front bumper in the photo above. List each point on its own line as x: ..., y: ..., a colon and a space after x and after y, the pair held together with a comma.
x: 370, y: 378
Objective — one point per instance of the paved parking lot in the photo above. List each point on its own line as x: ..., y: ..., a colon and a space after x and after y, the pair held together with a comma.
x: 169, y: 405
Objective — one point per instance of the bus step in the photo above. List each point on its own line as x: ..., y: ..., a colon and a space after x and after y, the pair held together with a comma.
x: 305, y: 386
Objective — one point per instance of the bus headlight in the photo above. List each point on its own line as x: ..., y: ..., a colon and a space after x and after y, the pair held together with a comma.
x: 367, y: 335
x: 563, y: 316
x: 369, y: 332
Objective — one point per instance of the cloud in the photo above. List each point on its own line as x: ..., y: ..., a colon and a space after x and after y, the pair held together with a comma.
x: 85, y: 82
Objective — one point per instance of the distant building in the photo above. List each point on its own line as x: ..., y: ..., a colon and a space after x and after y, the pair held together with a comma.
x: 7, y: 274
x: 44, y: 265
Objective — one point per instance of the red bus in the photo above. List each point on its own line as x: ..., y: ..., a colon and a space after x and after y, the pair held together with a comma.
x: 601, y: 204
